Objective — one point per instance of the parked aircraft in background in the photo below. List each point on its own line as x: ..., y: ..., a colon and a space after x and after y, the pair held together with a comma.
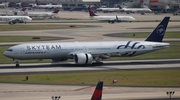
x: 87, y: 53
x: 3, y: 5
x: 135, y: 9
x: 41, y: 14
x: 97, y: 95
x: 12, y: 13
x: 110, y: 19
x: 48, y: 6
x: 108, y: 9
x: 15, y: 19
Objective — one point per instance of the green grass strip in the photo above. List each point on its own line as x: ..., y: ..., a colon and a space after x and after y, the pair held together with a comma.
x: 144, y: 35
x: 125, y: 78
x: 36, y: 27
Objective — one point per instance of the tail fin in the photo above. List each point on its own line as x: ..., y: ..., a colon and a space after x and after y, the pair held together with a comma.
x: 55, y: 11
x: 97, y: 6
x: 117, y: 19
x: 97, y: 95
x: 158, y: 33
x: 91, y: 12
x: 37, y: 3
x: 23, y: 9
x: 119, y: 7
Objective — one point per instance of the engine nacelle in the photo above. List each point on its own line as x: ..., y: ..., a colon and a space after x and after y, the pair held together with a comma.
x: 119, y: 20
x: 83, y: 58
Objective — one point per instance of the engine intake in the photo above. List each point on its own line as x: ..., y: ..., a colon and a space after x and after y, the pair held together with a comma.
x: 83, y: 58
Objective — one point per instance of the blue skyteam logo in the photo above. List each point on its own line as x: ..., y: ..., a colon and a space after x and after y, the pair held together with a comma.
x: 160, y: 30
x: 131, y: 45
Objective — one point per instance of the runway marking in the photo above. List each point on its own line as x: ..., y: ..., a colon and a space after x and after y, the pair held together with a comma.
x: 93, y: 88
x: 38, y: 91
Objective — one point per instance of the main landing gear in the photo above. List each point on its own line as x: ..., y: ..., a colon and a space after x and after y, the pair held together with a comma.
x: 97, y: 62
x: 111, y: 22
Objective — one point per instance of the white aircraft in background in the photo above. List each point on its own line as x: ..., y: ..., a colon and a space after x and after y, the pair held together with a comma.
x: 89, y: 52
x: 135, y: 9
x: 48, y: 6
x: 108, y: 9
x: 41, y: 14
x: 15, y: 19
x: 110, y: 19
x: 3, y: 5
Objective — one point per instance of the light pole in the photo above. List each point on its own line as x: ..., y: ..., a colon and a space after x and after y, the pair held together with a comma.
x: 170, y: 93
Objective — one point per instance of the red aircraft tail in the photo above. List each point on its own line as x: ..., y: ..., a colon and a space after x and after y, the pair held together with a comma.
x: 56, y: 11
x: 23, y: 9
x: 97, y: 95
x: 119, y: 7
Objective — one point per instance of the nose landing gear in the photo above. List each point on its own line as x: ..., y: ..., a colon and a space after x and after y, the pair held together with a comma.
x: 17, y: 63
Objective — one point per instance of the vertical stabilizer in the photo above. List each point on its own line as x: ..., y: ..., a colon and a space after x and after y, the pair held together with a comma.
x: 97, y: 95
x: 91, y: 12
x: 56, y: 11
x: 158, y: 33
x: 23, y: 9
x: 37, y: 2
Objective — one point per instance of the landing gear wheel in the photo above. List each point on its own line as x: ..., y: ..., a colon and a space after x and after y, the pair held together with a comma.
x: 17, y: 65
x: 97, y: 63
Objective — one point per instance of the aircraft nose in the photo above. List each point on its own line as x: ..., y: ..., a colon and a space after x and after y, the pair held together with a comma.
x: 5, y: 53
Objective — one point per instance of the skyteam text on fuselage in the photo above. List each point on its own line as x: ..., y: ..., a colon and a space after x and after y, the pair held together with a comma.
x: 89, y: 52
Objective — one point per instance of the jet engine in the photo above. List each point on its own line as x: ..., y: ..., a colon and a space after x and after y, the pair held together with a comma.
x: 119, y: 20
x: 83, y: 58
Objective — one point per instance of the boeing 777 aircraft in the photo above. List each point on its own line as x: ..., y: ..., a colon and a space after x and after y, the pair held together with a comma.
x: 110, y: 19
x: 89, y: 52
x: 15, y: 19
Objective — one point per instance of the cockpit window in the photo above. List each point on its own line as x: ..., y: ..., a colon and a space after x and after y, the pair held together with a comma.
x: 9, y: 50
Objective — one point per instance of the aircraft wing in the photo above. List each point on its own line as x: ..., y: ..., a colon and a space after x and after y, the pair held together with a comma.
x: 112, y: 19
x: 14, y: 20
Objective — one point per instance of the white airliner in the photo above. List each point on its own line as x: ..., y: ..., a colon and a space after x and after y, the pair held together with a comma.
x: 15, y: 19
x: 135, y: 9
x: 41, y: 14
x: 89, y: 52
x: 48, y: 6
x: 108, y: 9
x: 3, y: 5
x: 110, y: 19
